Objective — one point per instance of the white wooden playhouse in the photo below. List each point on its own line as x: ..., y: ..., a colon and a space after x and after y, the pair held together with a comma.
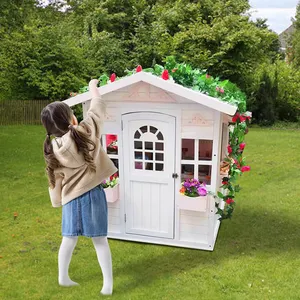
x: 165, y: 133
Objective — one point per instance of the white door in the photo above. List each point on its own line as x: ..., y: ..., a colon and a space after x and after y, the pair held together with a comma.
x: 149, y: 162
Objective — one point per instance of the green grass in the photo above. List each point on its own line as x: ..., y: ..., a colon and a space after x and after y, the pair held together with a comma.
x: 256, y: 255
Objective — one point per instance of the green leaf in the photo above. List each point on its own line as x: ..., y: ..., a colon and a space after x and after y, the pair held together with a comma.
x: 220, y: 195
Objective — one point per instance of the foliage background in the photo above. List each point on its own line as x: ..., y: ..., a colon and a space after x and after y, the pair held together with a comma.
x: 48, y: 52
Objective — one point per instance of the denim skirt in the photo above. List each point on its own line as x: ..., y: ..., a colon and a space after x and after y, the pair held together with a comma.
x: 86, y: 215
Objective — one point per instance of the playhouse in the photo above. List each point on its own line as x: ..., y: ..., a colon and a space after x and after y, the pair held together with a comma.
x: 159, y: 133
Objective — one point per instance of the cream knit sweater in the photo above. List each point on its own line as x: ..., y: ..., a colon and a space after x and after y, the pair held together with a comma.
x: 74, y: 179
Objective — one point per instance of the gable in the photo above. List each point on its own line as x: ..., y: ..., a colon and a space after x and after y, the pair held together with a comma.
x: 132, y: 90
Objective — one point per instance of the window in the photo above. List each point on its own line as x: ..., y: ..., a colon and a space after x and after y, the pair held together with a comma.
x: 110, y: 145
x: 196, y: 159
x: 148, y: 149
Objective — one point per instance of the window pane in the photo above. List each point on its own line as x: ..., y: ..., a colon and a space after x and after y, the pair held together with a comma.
x: 205, y: 149
x: 138, y: 165
x: 138, y: 145
x: 116, y: 162
x: 159, y: 167
x: 148, y: 155
x: 204, y: 174
x: 144, y: 129
x: 137, y: 135
x: 138, y: 155
x: 160, y: 136
x: 149, y: 145
x: 188, y: 149
x: 159, y: 156
x: 153, y: 129
x: 187, y: 172
x: 149, y: 166
x: 159, y: 146
x: 112, y: 144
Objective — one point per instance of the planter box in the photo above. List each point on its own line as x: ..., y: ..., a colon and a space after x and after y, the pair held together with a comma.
x: 112, y: 194
x: 193, y: 203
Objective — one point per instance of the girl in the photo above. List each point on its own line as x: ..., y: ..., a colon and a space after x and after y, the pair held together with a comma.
x: 76, y: 165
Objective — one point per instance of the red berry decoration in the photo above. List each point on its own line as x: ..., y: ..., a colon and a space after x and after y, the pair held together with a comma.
x: 113, y: 77
x: 165, y: 75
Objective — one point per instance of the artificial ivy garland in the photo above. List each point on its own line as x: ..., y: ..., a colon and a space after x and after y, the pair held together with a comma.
x: 226, y: 91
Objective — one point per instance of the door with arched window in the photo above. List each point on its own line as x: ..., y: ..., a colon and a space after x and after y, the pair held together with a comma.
x: 149, y: 162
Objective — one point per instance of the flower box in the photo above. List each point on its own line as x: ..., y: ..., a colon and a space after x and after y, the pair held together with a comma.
x: 192, y: 203
x: 112, y: 193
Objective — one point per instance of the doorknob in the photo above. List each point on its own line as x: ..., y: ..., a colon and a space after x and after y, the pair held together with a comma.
x: 174, y: 175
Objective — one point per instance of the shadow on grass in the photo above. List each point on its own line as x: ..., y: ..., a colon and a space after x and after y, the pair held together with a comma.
x: 247, y: 234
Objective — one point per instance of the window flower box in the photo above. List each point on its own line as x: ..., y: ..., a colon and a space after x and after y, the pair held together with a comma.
x: 193, y: 195
x: 192, y: 203
x: 111, y: 188
x: 112, y: 193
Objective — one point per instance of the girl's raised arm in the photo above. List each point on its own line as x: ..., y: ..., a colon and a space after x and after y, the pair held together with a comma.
x: 96, y: 113
x: 93, y: 88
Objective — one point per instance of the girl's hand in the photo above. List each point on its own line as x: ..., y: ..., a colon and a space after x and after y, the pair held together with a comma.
x: 93, y: 82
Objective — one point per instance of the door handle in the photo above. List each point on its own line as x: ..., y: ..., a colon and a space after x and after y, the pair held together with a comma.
x: 174, y: 175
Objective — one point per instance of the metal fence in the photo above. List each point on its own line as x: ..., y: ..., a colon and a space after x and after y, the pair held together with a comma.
x: 22, y: 112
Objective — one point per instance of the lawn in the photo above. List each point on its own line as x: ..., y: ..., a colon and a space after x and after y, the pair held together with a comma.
x: 257, y: 254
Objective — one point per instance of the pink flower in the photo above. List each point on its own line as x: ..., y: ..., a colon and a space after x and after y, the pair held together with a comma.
x: 242, y: 146
x: 229, y: 201
x: 139, y: 68
x: 217, y: 89
x: 202, y: 191
x: 165, y: 75
x: 221, y: 91
x: 113, y: 77
x: 207, y: 76
x: 245, y: 169
x: 229, y: 149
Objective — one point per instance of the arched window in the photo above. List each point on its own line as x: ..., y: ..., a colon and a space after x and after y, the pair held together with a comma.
x: 148, y: 149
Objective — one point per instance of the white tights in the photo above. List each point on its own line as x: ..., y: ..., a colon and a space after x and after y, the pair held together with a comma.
x: 104, y: 258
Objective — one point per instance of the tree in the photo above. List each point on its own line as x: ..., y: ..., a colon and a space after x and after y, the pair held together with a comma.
x: 264, y: 110
x: 295, y: 51
x: 40, y: 60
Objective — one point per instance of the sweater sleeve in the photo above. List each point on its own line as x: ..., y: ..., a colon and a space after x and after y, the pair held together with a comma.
x: 55, y: 194
x: 95, y: 115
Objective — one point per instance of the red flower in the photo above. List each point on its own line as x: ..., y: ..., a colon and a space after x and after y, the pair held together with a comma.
x: 243, y: 118
x: 224, y: 182
x: 165, y: 75
x: 242, y: 146
x: 245, y: 169
x: 235, y: 117
x: 139, y: 68
x: 174, y: 70
x: 113, y: 77
x: 229, y: 201
x: 229, y: 149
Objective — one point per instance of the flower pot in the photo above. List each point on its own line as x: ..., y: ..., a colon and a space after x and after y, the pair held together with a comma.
x: 192, y: 203
x: 112, y: 194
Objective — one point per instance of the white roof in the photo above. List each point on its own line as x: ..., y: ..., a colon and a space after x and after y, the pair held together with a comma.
x: 165, y: 85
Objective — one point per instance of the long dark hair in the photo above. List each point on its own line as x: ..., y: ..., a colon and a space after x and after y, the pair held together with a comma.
x: 56, y: 118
